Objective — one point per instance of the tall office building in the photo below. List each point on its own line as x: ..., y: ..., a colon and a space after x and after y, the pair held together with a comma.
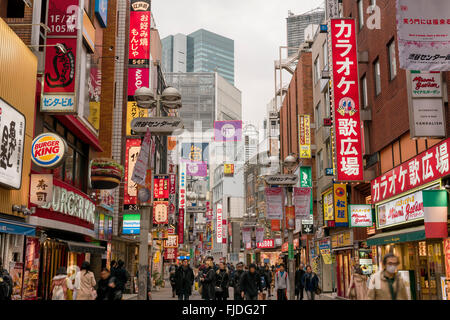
x: 200, y: 51
x: 296, y: 25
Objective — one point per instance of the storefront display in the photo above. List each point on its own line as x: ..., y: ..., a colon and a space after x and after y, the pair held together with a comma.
x: 16, y: 273
x: 31, y: 270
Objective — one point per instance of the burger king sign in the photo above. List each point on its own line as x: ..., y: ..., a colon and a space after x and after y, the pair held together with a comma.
x: 48, y: 150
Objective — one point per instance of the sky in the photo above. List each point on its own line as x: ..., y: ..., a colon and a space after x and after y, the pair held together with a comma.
x: 258, y: 28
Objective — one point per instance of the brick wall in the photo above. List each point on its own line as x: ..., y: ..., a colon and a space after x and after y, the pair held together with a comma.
x: 24, y: 32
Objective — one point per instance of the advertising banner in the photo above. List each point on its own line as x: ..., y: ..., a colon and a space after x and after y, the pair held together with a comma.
x: 180, y: 225
x: 275, y: 225
x: 423, y: 35
x: 360, y: 215
x: 246, y: 235
x: 63, y: 18
x: 219, y: 218
x: 171, y: 242
x: 302, y: 199
x: 133, y: 112
x: 137, y: 78
x: 172, y: 157
x: 133, y: 148
x: 139, y: 43
x: 426, y: 167
x: 228, y: 170
x: 160, y: 212
x: 131, y: 223
x: 290, y: 217
x: 340, y: 205
x: 266, y: 244
x: 31, y: 269
x: 259, y: 235
x: 197, y: 152
x: 16, y: 274
x: 325, y: 251
x: 274, y: 203
x: 304, y: 124
x: 347, y: 127
x: 140, y: 168
x: 435, y: 204
x: 447, y: 257
x: 228, y: 130
x: 327, y: 203
x: 401, y: 210
x: 197, y: 169
x: 161, y: 187
x: 170, y: 253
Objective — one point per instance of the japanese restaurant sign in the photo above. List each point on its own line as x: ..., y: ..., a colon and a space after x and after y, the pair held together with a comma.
x: 423, y: 32
x: 340, y: 205
x: 139, y: 38
x: 304, y: 124
x: 360, y: 215
x: 428, y: 166
x: 346, y: 114
x: 160, y: 212
x: 41, y: 189
x: 161, y: 187
x: 133, y: 147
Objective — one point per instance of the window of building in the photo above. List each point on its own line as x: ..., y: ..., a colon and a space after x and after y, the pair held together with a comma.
x: 360, y: 14
x: 75, y: 167
x: 317, y: 116
x: 325, y: 54
x: 12, y: 9
x: 316, y: 70
x: 329, y: 153
x: 364, y: 101
x: 392, y: 60
x: 320, y: 162
x: 377, y: 76
x: 327, y: 104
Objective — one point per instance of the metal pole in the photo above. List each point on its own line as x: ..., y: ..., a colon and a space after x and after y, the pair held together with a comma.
x: 291, y: 261
x: 143, y: 254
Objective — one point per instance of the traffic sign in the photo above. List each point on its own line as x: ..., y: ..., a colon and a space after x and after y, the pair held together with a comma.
x: 161, y: 125
x: 282, y: 179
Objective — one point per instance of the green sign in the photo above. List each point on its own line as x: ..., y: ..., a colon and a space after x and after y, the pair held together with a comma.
x: 306, y: 182
x: 291, y: 251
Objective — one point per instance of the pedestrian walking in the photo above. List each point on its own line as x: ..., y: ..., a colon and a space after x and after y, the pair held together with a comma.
x: 310, y: 282
x: 173, y: 282
x: 298, y: 281
x: 236, y: 281
x: 6, y: 283
x: 60, y: 285
x: 122, y: 276
x: 268, y: 279
x: 106, y: 287
x: 184, y: 280
x: 85, y: 282
x: 357, y: 287
x: 208, y: 281
x: 281, y: 283
x: 265, y: 284
x: 250, y: 284
x: 387, y: 284
x: 222, y: 280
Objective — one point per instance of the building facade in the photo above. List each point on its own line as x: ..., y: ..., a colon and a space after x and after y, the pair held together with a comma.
x: 296, y: 25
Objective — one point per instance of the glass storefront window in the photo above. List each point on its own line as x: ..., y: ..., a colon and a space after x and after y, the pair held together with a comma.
x: 68, y: 166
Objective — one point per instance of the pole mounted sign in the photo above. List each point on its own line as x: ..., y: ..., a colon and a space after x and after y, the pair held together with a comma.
x: 160, y: 125
x: 282, y: 179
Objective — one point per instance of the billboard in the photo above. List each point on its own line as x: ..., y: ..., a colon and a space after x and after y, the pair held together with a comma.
x: 304, y: 125
x: 133, y: 147
x: 228, y: 130
x: 347, y: 127
x: 131, y: 223
x: 196, y: 152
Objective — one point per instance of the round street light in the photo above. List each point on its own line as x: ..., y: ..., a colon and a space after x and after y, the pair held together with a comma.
x: 290, y: 162
x: 144, y: 98
x: 171, y: 98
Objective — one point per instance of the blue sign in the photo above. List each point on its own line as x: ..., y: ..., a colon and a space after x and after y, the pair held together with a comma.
x: 131, y: 223
x: 323, y: 28
x: 101, y: 11
x: 184, y: 257
x: 329, y: 172
x: 14, y: 228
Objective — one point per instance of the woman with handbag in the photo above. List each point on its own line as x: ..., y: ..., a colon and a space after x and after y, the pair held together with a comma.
x: 222, y: 282
x: 310, y: 282
x: 357, y: 287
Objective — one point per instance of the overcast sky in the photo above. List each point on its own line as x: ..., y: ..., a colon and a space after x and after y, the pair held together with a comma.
x: 258, y: 28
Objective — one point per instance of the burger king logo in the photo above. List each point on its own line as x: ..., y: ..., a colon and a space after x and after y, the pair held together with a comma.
x: 48, y: 150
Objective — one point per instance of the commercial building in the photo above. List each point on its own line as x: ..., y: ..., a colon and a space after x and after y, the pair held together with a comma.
x: 296, y: 25
x: 200, y: 51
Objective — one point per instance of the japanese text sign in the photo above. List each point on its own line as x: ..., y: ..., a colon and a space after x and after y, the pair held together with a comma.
x: 63, y: 17
x: 304, y: 124
x: 137, y: 78
x: 160, y: 212
x: 340, y: 205
x: 171, y: 242
x: 139, y: 44
x: 360, y: 215
x: 41, y: 189
x: 302, y: 199
x: 327, y: 203
x: 346, y: 101
x: 274, y: 203
x: 170, y: 253
x: 133, y: 147
x: 428, y: 166
x: 161, y: 187
x: 180, y: 226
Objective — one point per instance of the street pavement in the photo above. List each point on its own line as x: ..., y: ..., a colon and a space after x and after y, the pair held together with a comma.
x: 166, y: 294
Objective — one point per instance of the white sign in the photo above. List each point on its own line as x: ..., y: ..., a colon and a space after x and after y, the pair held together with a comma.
x: 162, y: 125
x: 182, y: 188
x: 282, y: 179
x: 428, y: 118
x: 274, y: 203
x: 302, y: 202
x: 402, y: 210
x: 426, y: 85
x: 360, y: 215
x: 41, y: 189
x: 72, y: 204
x: 58, y: 102
x: 12, y: 137
x: 423, y: 34
x: 259, y: 235
x: 332, y: 9
x: 140, y: 168
x: 219, y: 222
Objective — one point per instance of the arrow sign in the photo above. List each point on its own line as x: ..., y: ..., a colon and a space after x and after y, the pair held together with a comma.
x: 282, y: 179
x: 161, y: 125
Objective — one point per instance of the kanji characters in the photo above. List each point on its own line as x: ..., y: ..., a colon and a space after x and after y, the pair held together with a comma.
x: 350, y: 149
x: 427, y: 171
x: 414, y: 178
x: 350, y: 166
x: 442, y: 158
x: 347, y: 127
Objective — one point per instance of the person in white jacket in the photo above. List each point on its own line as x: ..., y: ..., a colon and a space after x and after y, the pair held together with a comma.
x: 281, y: 283
x: 61, y: 285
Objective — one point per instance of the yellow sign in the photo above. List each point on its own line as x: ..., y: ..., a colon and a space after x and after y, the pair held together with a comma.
x: 133, y: 112
x: 228, y: 169
x: 328, y: 209
x: 157, y: 257
x: 340, y: 205
x: 94, y: 114
x: 341, y: 240
x: 304, y: 124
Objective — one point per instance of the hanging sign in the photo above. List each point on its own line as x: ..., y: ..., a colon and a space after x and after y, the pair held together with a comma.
x: 41, y: 189
x: 302, y: 199
x: 133, y: 148
x: 360, y: 215
x: 48, y: 150
x: 340, y: 205
x: 346, y: 114
x: 304, y: 124
x: 160, y: 212
x: 140, y: 168
x: 171, y: 242
x: 228, y: 130
x: 219, y: 223
x: 274, y: 203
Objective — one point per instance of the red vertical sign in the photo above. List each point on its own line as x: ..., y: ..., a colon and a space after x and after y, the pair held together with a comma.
x: 139, y: 45
x: 181, y: 226
x: 347, y: 125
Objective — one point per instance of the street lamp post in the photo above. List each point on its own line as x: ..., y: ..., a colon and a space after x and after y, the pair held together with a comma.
x: 144, y: 97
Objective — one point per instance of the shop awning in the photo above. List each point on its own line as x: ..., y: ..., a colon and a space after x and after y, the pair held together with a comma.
x: 85, y: 247
x: 16, y: 227
x: 405, y: 235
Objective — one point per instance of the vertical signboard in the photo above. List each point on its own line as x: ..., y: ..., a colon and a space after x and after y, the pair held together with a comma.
x: 139, y: 37
x: 219, y: 218
x: 133, y: 147
x: 306, y: 182
x: 340, y: 205
x: 274, y: 203
x: 347, y: 127
x: 327, y: 204
x: 302, y: 199
x: 182, y: 202
x: 304, y: 126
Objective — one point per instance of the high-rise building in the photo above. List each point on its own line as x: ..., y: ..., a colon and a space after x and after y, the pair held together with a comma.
x: 296, y: 25
x: 200, y: 51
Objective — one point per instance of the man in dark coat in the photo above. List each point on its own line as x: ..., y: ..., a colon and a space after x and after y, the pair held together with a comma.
x: 184, y: 280
x: 236, y: 281
x: 6, y: 283
x: 122, y: 276
x: 298, y: 281
x: 250, y: 284
x: 222, y: 283
x: 208, y: 281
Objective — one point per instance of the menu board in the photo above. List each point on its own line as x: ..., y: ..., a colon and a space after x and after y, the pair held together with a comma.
x: 31, y: 271
x: 16, y: 272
